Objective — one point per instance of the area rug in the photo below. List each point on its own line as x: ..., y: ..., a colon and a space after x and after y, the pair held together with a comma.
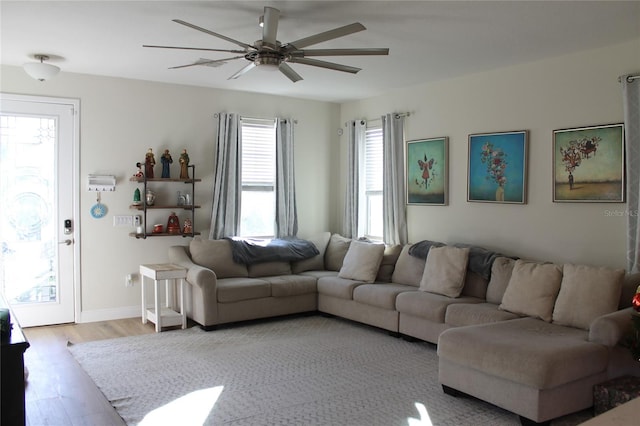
x: 291, y: 371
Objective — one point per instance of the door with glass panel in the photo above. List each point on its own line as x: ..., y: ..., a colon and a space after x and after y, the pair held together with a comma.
x: 38, y: 163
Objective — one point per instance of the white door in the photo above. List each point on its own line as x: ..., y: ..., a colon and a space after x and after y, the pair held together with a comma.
x: 38, y: 194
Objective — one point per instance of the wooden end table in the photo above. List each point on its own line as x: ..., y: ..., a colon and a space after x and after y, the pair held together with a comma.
x: 164, y: 316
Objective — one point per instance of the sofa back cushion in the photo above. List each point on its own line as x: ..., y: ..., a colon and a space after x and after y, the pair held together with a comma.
x: 336, y: 251
x: 532, y: 289
x: 475, y: 285
x: 216, y: 255
x: 445, y: 270
x: 315, y: 263
x: 587, y: 292
x: 269, y: 269
x: 409, y: 269
x: 362, y: 261
x: 388, y: 264
x: 500, y: 275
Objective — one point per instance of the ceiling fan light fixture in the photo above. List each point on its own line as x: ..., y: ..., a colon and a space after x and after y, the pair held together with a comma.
x: 39, y: 70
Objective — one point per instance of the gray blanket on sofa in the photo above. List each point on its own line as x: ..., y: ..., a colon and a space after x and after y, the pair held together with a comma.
x: 249, y: 251
x: 480, y: 259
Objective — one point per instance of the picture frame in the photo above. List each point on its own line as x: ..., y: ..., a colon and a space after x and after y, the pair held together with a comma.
x: 497, y: 167
x: 427, y: 171
x: 589, y: 164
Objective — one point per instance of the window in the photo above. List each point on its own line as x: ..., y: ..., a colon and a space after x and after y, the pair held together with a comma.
x: 370, y: 209
x: 258, y: 204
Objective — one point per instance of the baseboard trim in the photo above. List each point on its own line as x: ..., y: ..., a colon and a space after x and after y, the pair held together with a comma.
x: 108, y: 314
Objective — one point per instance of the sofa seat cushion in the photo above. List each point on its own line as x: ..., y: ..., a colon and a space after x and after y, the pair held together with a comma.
x: 525, y: 350
x: 319, y: 274
x: 237, y: 289
x: 380, y: 295
x: 291, y: 285
x: 427, y: 305
x: 461, y: 314
x: 337, y: 287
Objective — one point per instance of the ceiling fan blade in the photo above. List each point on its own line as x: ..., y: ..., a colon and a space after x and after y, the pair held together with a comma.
x: 243, y: 71
x: 324, y: 64
x: 327, y: 35
x: 204, y: 30
x: 195, y: 48
x: 270, y: 27
x: 289, y: 72
x: 205, y: 62
x: 340, y: 52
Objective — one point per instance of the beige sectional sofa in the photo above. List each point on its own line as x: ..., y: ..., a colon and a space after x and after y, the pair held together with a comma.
x: 533, y: 338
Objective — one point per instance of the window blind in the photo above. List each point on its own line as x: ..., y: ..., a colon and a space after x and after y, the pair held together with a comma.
x: 373, y: 159
x: 258, y: 153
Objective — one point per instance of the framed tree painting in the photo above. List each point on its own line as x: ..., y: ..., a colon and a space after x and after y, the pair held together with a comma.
x: 588, y: 164
x: 427, y: 171
x: 498, y: 167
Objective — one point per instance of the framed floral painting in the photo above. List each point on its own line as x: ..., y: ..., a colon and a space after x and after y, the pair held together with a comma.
x: 588, y: 164
x: 498, y: 167
x: 427, y: 171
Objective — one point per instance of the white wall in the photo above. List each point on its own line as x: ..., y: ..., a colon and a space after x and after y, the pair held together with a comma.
x: 569, y: 91
x: 120, y: 119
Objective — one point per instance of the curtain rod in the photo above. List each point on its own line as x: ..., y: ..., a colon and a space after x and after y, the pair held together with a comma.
x: 395, y: 115
x: 266, y: 120
x: 629, y: 78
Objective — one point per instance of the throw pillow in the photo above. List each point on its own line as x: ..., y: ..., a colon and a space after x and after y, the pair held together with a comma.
x: 409, y: 269
x: 216, y: 255
x: 500, y: 275
x: 315, y: 263
x: 587, y: 292
x: 532, y: 289
x: 389, y: 259
x: 336, y: 251
x: 445, y: 270
x: 362, y: 261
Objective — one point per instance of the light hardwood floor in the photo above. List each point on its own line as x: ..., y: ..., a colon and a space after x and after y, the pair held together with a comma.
x: 58, y: 391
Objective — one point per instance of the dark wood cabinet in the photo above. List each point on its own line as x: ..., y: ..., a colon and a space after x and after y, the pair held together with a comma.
x: 12, y: 384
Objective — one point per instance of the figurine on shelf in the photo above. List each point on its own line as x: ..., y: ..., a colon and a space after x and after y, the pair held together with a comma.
x: 150, y: 197
x: 184, y: 165
x: 139, y: 173
x: 173, y: 224
x: 188, y: 227
x: 166, y: 160
x: 136, y: 197
x: 149, y: 162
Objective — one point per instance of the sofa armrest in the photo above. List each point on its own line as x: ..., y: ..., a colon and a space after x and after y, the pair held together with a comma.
x: 203, y: 305
x: 611, y: 328
x: 196, y: 275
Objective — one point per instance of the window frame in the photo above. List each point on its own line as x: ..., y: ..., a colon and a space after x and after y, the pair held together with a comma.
x: 373, y: 131
x: 254, y: 186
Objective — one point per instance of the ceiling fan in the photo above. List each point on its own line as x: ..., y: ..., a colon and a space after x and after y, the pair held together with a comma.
x: 269, y: 52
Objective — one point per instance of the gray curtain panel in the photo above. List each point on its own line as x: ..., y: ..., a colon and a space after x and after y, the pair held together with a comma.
x: 631, y: 100
x: 356, y: 134
x: 227, y: 185
x: 286, y: 211
x: 393, y: 187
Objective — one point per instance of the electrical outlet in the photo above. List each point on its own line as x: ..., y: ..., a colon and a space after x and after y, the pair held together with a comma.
x: 128, y: 280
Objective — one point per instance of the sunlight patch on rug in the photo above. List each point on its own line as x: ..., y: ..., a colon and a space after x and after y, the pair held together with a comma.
x: 197, y: 403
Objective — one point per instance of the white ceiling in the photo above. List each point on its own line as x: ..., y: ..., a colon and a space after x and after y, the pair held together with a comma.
x: 428, y: 40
